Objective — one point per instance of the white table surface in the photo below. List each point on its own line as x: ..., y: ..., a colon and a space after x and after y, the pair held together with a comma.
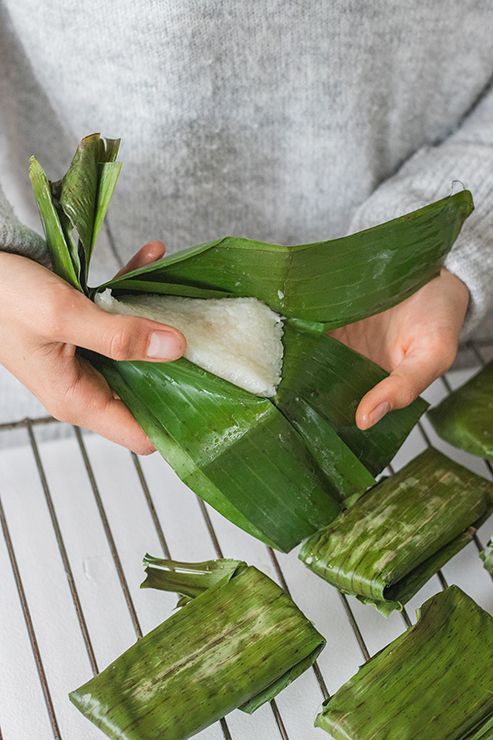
x: 113, y: 608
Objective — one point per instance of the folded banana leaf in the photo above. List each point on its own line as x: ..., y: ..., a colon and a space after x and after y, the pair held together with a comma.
x: 434, y: 681
x: 283, y: 466
x: 465, y: 417
x: 334, y: 282
x: 237, y: 642
x: 392, y: 540
x: 487, y: 557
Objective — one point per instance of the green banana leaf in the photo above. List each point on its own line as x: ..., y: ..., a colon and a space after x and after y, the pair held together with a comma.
x: 487, y: 557
x: 64, y: 263
x: 280, y: 468
x: 259, y: 461
x: 465, y: 417
x: 73, y: 209
x: 392, y: 540
x: 188, y: 579
x: 332, y: 383
x: 236, y: 450
x: 237, y: 642
x: 434, y: 681
x: 335, y: 282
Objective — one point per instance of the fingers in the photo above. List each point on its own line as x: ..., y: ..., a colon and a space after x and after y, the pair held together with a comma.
x: 415, y: 373
x: 84, y: 324
x: 150, y: 252
x: 118, y: 425
x: 89, y: 402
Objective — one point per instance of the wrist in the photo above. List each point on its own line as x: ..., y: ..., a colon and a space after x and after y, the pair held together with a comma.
x: 459, y: 298
x: 457, y: 287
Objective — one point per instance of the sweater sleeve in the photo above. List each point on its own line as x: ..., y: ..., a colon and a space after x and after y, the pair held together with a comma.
x: 466, y: 155
x: 17, y: 238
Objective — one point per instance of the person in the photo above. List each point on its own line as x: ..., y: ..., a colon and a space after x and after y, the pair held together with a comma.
x: 283, y: 121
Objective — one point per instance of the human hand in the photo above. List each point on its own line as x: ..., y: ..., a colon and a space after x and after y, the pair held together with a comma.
x: 42, y: 322
x: 416, y: 341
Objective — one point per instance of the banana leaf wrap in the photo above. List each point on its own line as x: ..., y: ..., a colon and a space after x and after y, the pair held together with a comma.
x: 393, y: 539
x: 465, y: 417
x: 434, y: 681
x: 237, y: 642
x: 487, y: 557
x: 283, y: 466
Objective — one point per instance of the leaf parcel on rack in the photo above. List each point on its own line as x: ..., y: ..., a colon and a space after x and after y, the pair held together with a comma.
x: 487, y: 557
x: 465, y: 417
x: 258, y: 417
x: 434, y: 681
x: 238, y: 641
x: 393, y: 539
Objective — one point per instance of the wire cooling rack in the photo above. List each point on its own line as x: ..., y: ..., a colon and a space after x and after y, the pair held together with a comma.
x: 78, y: 513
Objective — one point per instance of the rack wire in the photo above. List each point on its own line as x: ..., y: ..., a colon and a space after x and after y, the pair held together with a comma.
x: 323, y: 604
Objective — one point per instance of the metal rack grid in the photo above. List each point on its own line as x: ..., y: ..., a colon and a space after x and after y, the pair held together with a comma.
x: 78, y: 513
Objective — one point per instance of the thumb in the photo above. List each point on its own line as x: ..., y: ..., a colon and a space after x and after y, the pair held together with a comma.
x: 400, y: 388
x: 120, y: 337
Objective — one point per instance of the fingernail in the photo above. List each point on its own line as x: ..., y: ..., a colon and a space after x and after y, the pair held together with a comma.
x: 379, y: 412
x: 164, y: 345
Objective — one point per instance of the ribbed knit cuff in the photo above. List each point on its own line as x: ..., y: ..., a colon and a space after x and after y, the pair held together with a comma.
x: 20, y: 239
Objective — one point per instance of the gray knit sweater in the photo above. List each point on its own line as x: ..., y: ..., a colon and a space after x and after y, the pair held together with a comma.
x: 280, y: 120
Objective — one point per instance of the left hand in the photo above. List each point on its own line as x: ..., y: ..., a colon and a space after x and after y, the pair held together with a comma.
x: 415, y: 341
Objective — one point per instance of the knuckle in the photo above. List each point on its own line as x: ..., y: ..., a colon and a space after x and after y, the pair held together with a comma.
x: 120, y: 343
x: 406, y: 391
x: 407, y: 395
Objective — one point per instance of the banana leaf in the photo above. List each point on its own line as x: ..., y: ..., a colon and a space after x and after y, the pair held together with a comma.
x: 259, y: 461
x: 487, y: 557
x: 465, y: 417
x: 73, y: 209
x: 335, y: 282
x: 392, y: 540
x: 236, y: 450
x: 237, y: 642
x: 188, y: 579
x: 64, y: 263
x: 434, y: 681
x: 280, y: 467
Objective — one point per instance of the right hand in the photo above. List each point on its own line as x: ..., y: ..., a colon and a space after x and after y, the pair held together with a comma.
x: 42, y: 322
